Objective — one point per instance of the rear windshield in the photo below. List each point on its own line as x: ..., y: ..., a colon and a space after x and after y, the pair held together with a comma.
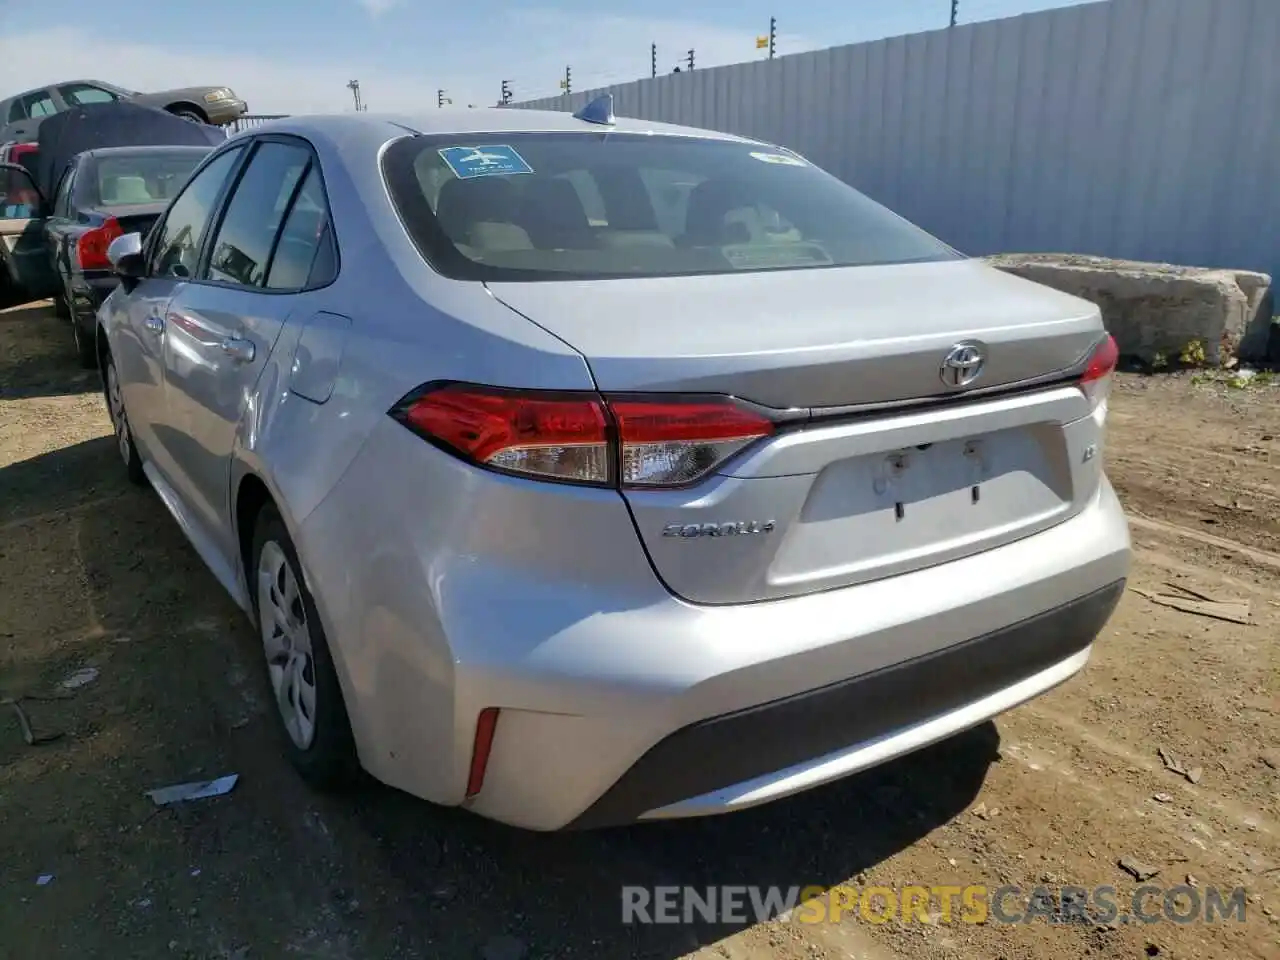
x: 559, y: 206
x: 142, y: 178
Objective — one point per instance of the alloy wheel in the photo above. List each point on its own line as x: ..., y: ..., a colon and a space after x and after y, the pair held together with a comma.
x: 286, y: 641
x: 115, y: 408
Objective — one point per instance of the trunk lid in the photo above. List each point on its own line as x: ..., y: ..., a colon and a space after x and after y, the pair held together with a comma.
x: 839, y: 496
x: 133, y: 218
x: 809, y: 338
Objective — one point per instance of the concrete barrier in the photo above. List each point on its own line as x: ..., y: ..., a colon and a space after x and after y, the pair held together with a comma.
x: 1158, y: 308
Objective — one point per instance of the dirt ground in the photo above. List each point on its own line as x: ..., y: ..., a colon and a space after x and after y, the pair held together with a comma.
x: 94, y: 574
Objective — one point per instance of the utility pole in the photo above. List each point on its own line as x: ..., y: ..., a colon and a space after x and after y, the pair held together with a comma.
x: 773, y: 34
x: 506, y: 92
x: 653, y: 60
x: 955, y: 11
x: 690, y: 60
x: 567, y: 83
x: 354, y: 87
x: 440, y: 99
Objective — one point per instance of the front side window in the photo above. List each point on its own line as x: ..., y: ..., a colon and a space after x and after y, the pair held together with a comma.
x: 242, y: 247
x: 553, y: 206
x: 38, y: 105
x: 177, y: 242
x: 153, y: 176
x: 16, y: 112
x: 81, y: 94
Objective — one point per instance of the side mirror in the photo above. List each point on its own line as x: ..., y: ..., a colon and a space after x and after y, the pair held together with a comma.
x: 125, y: 255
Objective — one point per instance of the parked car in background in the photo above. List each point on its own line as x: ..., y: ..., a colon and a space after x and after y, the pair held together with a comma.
x: 102, y: 195
x: 30, y: 186
x: 575, y: 500
x: 21, y: 115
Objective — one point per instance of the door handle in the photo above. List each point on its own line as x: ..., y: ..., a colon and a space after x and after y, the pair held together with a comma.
x: 238, y: 349
x: 154, y: 323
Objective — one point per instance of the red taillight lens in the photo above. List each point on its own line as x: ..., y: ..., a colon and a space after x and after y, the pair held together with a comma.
x: 655, y: 442
x: 674, y: 443
x: 91, y: 248
x: 552, y: 436
x: 1103, y: 360
x: 1096, y: 379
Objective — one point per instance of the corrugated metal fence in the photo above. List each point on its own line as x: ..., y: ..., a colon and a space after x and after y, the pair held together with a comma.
x: 1147, y: 129
x: 248, y: 121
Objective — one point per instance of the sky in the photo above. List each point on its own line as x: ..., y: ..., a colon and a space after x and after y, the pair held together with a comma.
x: 297, y: 56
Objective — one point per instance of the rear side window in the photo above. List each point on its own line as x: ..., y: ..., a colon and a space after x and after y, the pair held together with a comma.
x: 38, y: 105
x: 305, y: 229
x: 177, y: 242
x: 242, y: 248
x: 16, y: 112
x: 558, y: 206
x: 62, y: 201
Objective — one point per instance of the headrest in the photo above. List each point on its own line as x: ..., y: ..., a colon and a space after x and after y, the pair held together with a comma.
x: 464, y: 203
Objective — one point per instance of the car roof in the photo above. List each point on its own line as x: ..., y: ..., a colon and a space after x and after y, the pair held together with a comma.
x: 99, y: 153
x: 361, y: 126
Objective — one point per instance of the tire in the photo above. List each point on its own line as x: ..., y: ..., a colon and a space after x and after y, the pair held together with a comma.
x: 120, y: 423
x: 62, y: 305
x: 86, y: 348
x: 186, y: 113
x: 297, y: 661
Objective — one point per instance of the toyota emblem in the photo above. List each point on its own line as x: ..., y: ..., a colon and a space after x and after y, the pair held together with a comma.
x: 963, y: 363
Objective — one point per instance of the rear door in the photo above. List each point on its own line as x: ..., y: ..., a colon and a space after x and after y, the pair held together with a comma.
x: 27, y: 112
x: 222, y: 326
x: 23, y: 255
x: 61, y: 224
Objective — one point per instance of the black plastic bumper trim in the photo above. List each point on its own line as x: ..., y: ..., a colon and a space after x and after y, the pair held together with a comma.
x: 712, y: 754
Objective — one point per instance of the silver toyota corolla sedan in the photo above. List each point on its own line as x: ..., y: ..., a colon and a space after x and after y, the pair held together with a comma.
x: 580, y: 470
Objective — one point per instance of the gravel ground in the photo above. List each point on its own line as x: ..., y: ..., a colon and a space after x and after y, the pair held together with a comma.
x: 95, y: 576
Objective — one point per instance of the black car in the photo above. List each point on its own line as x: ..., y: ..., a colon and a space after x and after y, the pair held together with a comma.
x: 102, y: 195
x: 88, y: 205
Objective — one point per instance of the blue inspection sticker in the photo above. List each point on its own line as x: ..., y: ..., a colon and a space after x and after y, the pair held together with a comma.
x: 487, y: 161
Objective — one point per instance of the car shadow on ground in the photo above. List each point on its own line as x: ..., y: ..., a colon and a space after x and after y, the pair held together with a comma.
x: 105, y: 581
x: 38, y: 356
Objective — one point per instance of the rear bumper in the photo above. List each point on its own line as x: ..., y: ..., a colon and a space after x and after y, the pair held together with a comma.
x: 608, y: 685
x: 815, y: 737
x: 89, y: 292
x: 222, y: 112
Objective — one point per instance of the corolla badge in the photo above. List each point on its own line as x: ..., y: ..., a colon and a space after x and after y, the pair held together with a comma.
x: 692, y: 531
x: 963, y: 363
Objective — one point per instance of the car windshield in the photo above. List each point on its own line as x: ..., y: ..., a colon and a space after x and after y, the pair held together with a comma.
x: 152, y: 177
x: 549, y: 206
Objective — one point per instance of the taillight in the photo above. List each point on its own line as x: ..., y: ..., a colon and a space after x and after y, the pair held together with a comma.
x: 91, y: 248
x: 554, y: 436
x: 673, y: 443
x: 632, y: 441
x: 1096, y: 379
